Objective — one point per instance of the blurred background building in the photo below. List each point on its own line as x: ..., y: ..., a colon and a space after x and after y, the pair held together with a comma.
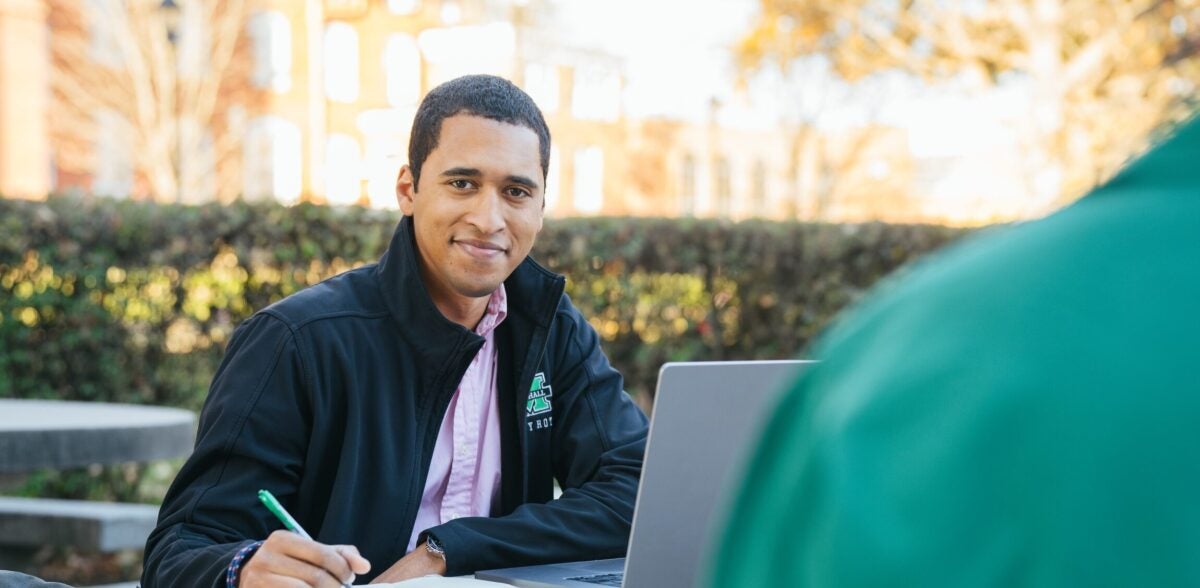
x: 311, y: 100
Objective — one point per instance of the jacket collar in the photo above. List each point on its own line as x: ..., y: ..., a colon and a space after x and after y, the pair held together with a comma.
x: 533, y: 293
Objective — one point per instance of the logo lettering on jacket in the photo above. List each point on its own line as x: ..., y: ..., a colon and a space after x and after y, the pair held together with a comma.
x: 539, y: 403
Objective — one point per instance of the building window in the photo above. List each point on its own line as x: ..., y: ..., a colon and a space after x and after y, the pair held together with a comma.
x: 114, y: 155
x: 553, y: 181
x: 724, y: 188
x: 343, y: 169
x: 589, y: 180
x: 382, y: 164
x: 271, y: 35
x: 451, y: 12
x: 341, y: 62
x: 198, y: 164
x: 403, y: 6
x: 596, y: 95
x: 450, y: 52
x: 402, y: 68
x: 385, y: 133
x: 271, y: 160
x: 687, y: 192
x: 541, y: 83
x: 759, y: 194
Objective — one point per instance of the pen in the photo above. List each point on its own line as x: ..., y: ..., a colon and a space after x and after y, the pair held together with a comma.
x: 285, y: 517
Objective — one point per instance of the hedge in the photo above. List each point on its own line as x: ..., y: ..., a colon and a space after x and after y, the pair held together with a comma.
x: 133, y: 302
x: 128, y: 301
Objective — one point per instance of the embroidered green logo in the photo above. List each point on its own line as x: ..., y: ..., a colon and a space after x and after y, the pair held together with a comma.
x: 539, y: 396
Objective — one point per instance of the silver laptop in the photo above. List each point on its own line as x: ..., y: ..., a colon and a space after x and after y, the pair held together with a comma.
x: 706, y: 418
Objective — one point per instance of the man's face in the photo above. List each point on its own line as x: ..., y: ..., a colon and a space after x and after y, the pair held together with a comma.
x: 478, y: 206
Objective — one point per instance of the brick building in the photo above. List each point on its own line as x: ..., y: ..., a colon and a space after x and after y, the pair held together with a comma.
x: 317, y: 100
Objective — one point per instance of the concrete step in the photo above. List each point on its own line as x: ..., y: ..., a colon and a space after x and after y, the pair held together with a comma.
x: 88, y: 526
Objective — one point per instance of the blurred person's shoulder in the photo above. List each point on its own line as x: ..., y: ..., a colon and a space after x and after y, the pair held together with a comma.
x: 985, y: 414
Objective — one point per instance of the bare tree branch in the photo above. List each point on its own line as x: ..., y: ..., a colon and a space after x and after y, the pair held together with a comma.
x: 150, y: 87
x: 1077, y: 56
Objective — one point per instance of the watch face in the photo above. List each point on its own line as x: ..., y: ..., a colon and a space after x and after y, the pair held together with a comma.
x: 433, y: 546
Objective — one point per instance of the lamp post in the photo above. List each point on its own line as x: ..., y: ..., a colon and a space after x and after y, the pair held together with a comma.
x: 169, y: 10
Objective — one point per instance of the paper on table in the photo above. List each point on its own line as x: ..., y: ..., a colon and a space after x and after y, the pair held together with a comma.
x: 440, y: 582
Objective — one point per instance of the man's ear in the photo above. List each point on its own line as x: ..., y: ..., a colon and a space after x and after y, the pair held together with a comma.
x: 406, y: 190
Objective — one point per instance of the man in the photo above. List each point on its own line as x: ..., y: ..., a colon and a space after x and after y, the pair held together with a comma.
x: 1020, y: 411
x: 421, y: 408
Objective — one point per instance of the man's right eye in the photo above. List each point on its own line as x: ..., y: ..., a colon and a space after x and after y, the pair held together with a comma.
x: 460, y: 184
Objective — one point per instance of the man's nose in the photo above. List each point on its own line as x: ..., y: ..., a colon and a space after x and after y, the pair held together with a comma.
x: 487, y: 211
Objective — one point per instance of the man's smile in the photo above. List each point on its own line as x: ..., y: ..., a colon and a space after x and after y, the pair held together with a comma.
x: 480, y: 249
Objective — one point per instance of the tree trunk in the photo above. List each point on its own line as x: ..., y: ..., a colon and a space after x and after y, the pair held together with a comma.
x: 1045, y: 132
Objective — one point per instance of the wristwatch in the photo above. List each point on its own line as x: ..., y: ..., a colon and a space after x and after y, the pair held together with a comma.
x: 432, y: 546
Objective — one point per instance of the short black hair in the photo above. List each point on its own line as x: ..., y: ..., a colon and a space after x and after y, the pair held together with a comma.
x: 478, y: 95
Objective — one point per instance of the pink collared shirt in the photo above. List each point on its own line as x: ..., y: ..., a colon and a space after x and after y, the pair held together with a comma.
x: 464, y: 475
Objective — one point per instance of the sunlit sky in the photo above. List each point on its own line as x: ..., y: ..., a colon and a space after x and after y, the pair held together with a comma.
x: 678, y: 56
x: 677, y: 52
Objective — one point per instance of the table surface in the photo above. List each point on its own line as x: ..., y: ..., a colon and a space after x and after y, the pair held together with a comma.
x: 60, y: 434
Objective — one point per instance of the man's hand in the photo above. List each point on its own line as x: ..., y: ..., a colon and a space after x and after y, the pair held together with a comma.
x: 419, y: 562
x: 287, y: 559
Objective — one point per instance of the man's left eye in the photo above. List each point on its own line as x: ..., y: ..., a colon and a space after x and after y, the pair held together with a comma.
x: 519, y: 193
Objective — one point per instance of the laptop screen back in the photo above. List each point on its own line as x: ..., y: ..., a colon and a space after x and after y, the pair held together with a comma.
x: 707, y: 417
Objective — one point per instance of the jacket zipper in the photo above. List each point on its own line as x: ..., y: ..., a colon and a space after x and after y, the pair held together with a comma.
x: 432, y: 427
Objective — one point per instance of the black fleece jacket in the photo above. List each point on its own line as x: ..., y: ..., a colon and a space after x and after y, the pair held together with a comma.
x: 332, y: 399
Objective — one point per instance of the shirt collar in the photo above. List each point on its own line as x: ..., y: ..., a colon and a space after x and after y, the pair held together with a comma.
x: 497, y: 309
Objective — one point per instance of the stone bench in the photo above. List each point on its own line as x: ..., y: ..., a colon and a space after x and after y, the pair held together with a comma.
x: 36, y: 434
x: 30, y: 523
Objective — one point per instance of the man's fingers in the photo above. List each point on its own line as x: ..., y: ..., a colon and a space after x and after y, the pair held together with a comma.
x: 358, y: 563
x: 272, y: 580
x: 275, y: 581
x: 332, y: 562
x: 286, y: 581
x: 281, y: 569
x: 323, y: 557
